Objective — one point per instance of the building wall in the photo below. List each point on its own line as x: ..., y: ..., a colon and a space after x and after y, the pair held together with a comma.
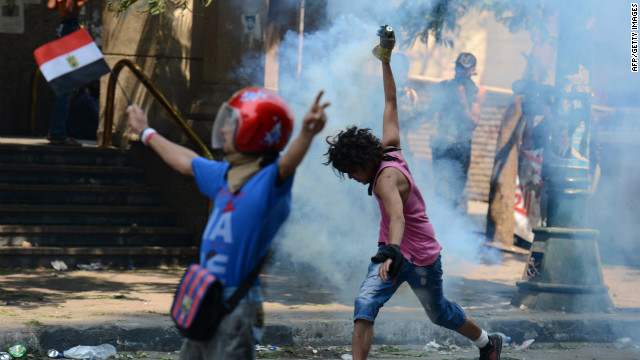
x: 168, y: 48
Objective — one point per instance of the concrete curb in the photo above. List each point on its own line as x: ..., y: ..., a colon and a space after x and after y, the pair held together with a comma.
x: 544, y: 328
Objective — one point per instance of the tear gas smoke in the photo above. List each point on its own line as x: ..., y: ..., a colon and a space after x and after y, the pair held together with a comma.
x: 334, y: 224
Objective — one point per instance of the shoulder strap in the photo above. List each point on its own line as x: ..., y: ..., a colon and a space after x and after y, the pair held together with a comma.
x: 241, y: 291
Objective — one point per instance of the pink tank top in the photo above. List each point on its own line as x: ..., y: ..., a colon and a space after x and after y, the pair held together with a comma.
x: 419, y: 244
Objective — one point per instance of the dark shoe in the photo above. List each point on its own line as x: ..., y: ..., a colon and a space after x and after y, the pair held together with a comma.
x: 492, y: 350
x: 66, y: 142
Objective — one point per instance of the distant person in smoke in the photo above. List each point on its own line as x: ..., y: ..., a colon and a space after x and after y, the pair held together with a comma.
x: 458, y: 103
x: 524, y: 131
x: 251, y: 193
x: 407, y: 247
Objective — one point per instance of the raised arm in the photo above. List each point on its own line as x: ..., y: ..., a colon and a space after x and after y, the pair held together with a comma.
x: 472, y: 113
x: 390, y: 123
x: 312, y: 124
x: 176, y: 156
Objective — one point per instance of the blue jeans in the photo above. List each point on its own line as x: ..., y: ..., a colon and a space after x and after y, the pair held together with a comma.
x: 58, y: 126
x: 426, y: 283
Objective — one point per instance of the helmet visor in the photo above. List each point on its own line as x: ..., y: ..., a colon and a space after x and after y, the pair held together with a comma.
x: 224, y: 127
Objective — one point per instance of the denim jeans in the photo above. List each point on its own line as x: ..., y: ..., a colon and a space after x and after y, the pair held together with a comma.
x: 58, y: 126
x: 426, y: 283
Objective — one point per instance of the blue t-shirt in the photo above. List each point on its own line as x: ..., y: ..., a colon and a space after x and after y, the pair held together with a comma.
x: 241, y: 226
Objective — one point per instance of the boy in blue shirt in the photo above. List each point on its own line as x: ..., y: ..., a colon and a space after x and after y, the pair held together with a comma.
x: 251, y: 194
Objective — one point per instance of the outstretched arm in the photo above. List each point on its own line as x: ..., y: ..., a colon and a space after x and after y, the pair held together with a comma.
x: 176, y: 156
x: 312, y: 124
x: 390, y: 123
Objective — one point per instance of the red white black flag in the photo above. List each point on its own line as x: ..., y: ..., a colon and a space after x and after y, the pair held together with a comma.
x: 71, y: 61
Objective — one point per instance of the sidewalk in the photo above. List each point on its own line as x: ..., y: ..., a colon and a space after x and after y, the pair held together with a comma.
x: 45, y: 309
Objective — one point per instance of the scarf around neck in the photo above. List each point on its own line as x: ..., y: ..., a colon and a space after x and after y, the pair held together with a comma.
x: 242, y: 168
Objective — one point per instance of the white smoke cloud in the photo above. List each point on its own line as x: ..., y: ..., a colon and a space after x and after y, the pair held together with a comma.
x: 334, y: 224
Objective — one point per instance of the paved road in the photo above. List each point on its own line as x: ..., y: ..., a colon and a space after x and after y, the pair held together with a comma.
x: 537, y: 351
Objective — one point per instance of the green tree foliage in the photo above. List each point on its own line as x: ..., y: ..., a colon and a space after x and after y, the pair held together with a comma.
x: 154, y: 7
x: 438, y: 19
x: 427, y: 19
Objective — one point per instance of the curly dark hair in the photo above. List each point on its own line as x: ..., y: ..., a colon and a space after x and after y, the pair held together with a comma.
x: 353, y: 150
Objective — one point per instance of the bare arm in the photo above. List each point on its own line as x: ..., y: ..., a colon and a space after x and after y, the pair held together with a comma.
x: 390, y: 124
x: 473, y: 113
x: 176, y: 156
x: 312, y: 124
x: 388, y: 189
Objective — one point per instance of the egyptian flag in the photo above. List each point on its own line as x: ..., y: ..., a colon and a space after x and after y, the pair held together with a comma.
x: 71, y: 61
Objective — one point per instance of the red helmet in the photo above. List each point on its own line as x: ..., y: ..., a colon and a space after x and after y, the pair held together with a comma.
x: 263, y: 121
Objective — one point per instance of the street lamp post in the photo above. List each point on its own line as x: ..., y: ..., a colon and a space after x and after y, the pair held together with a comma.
x: 564, y: 270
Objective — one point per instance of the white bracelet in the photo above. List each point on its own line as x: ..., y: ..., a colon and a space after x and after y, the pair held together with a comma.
x: 146, y: 135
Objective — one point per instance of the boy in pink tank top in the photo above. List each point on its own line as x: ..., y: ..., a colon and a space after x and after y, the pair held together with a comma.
x: 407, y: 247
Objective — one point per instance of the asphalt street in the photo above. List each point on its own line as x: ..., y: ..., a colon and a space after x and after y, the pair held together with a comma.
x: 536, y: 351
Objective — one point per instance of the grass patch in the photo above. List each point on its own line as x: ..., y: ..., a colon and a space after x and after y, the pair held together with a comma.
x: 560, y: 346
x: 34, y: 323
x: 57, y: 316
x: 118, y: 296
x: 103, y: 313
x: 269, y: 355
x: 7, y: 313
x: 153, y: 312
x: 388, y: 350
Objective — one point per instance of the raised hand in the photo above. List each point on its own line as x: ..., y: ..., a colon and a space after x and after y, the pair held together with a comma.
x: 387, y: 43
x: 137, y: 118
x: 315, y: 119
x: 387, y: 37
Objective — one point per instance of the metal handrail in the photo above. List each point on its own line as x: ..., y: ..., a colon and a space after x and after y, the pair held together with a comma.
x: 163, y: 102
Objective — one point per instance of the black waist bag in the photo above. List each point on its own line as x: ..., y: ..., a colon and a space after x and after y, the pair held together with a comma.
x: 198, y: 308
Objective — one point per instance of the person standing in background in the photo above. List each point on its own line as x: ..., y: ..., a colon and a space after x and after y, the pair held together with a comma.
x: 69, y: 11
x: 458, y: 103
